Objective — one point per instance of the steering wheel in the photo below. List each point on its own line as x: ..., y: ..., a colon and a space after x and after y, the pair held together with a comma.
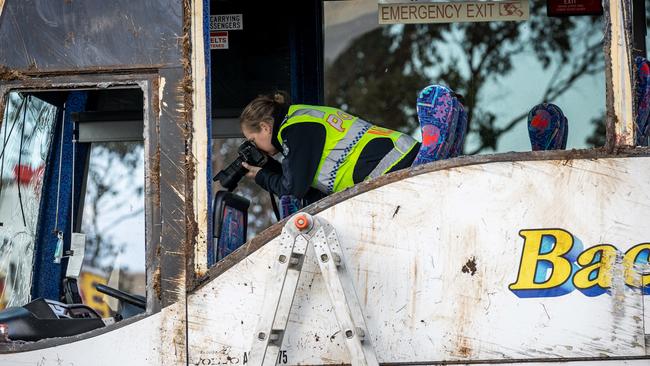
x: 122, y: 296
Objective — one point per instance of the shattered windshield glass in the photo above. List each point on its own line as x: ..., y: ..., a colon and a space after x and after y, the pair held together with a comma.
x: 26, y: 134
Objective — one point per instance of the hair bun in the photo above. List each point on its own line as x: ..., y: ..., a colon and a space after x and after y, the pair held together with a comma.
x: 279, y: 98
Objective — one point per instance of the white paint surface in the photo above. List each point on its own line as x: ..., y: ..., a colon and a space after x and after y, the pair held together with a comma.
x: 135, y: 344
x: 419, y: 304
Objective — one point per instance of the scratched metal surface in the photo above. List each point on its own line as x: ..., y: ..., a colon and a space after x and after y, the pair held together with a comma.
x: 46, y: 35
x: 433, y: 275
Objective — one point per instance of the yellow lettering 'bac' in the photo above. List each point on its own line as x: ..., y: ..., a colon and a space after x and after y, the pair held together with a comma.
x: 553, y: 264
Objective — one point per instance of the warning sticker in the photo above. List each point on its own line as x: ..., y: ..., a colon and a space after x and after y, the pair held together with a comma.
x: 225, y: 22
x: 218, y: 40
x: 574, y: 7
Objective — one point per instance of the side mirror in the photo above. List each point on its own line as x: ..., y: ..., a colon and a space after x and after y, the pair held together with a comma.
x: 230, y: 223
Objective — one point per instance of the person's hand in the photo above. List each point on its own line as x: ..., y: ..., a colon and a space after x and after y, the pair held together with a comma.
x: 252, y: 170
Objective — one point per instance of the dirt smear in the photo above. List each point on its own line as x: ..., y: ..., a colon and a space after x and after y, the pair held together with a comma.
x: 8, y: 74
x: 470, y: 266
x: 191, y: 226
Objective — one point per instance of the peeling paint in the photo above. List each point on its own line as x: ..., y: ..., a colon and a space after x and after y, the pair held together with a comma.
x: 619, y: 72
x: 173, y: 340
x: 161, y: 91
x: 156, y: 283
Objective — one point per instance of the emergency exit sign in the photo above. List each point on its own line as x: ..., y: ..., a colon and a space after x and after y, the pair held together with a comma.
x: 423, y: 11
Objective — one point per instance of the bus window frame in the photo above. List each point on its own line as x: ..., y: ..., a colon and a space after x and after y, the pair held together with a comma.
x: 620, y: 75
x: 148, y: 84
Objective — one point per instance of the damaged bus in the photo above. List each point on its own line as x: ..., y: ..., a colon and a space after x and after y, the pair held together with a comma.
x: 118, y: 247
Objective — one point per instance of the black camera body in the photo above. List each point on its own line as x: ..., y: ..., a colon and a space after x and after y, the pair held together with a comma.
x: 233, y: 173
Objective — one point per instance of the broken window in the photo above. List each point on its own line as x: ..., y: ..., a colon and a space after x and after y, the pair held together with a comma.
x: 89, y: 157
x: 72, y: 211
x: 27, y: 133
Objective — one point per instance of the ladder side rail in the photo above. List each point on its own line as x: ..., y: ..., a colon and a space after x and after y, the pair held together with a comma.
x: 344, y: 299
x: 278, y: 298
x: 348, y: 284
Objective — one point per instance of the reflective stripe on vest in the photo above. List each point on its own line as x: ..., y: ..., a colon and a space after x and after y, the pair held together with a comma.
x: 308, y: 112
x: 402, y: 146
x: 333, y: 161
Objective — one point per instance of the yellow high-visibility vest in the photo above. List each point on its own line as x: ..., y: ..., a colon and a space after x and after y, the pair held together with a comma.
x: 345, y: 138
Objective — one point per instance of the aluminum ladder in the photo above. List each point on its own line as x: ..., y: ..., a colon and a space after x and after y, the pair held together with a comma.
x: 298, y: 233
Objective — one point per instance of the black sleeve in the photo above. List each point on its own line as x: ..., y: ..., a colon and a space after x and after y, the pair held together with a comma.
x: 273, y: 165
x: 304, y: 144
x: 312, y: 196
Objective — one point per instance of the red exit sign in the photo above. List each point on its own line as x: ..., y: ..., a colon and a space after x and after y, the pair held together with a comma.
x: 573, y: 7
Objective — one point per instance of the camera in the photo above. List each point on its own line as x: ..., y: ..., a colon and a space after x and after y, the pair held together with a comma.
x: 233, y: 173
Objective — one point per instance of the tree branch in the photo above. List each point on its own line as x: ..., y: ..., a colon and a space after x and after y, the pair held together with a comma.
x: 583, y: 66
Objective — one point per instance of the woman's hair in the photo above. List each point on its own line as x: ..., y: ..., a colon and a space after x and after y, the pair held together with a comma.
x: 261, y: 109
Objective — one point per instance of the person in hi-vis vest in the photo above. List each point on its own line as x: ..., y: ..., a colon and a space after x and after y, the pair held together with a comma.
x: 327, y: 150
